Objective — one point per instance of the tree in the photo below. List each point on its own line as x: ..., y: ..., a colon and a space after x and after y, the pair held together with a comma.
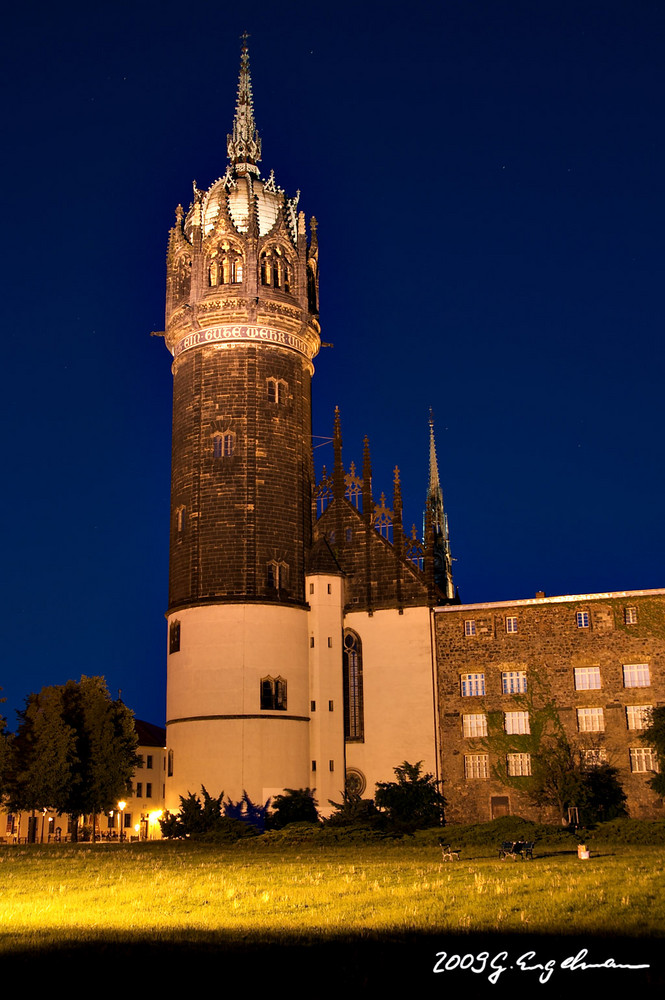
x: 560, y: 779
x: 413, y: 801
x: 74, y: 751
x: 654, y: 736
x: 5, y: 753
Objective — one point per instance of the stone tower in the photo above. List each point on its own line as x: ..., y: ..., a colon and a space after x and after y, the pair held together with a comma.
x: 242, y: 326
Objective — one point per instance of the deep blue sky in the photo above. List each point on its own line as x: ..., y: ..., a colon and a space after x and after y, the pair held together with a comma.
x: 488, y: 180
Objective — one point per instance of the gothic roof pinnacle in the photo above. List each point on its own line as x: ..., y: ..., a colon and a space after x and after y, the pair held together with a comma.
x: 244, y: 143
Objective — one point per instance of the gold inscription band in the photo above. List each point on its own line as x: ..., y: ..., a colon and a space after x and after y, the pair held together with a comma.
x: 236, y: 334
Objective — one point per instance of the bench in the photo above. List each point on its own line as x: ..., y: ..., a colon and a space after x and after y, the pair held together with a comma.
x: 515, y: 849
x: 450, y: 853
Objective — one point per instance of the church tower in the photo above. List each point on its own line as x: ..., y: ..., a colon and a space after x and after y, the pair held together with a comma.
x: 242, y: 326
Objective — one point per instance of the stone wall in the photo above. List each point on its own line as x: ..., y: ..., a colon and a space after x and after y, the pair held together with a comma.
x: 595, y: 660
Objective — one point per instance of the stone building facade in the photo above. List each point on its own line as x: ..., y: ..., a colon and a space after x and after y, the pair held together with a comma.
x: 511, y: 675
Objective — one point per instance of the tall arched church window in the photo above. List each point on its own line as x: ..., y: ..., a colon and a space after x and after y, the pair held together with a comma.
x: 236, y: 271
x: 214, y: 274
x: 354, y: 728
x: 276, y: 390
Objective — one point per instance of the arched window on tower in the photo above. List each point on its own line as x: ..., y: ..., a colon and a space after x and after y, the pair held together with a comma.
x: 354, y: 729
x: 174, y: 636
x: 276, y: 390
x: 277, y: 575
x: 276, y: 271
x: 273, y: 694
x: 226, y: 267
x: 223, y: 444
x: 213, y: 274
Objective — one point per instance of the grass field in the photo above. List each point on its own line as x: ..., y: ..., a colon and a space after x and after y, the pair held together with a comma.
x: 250, y: 896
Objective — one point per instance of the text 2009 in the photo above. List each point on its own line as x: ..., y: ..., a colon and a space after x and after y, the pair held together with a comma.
x: 472, y: 963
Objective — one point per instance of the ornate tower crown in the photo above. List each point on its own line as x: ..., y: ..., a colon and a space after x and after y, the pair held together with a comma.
x: 244, y: 144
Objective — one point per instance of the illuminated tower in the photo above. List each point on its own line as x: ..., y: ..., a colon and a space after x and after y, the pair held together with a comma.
x: 242, y: 326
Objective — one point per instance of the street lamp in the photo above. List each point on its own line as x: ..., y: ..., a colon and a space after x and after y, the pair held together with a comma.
x: 121, y: 808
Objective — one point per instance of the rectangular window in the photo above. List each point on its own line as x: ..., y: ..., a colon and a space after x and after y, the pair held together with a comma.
x: 594, y: 758
x: 312, y: 706
x: 330, y: 588
x: 476, y: 765
x: 149, y: 762
x: 643, y: 759
x: 331, y: 706
x: 314, y: 765
x: 516, y: 723
x: 513, y: 682
x: 329, y: 642
x: 630, y: 616
x: 474, y: 725
x: 518, y: 765
x: 472, y: 684
x: 636, y: 675
x: 139, y: 789
x: 273, y: 694
x: 170, y: 764
x: 582, y: 618
x: 590, y: 720
x: 311, y: 588
x: 148, y: 790
x: 511, y: 624
x: 174, y: 637
x: 637, y: 716
x: 331, y: 765
x: 587, y: 678
x: 469, y: 627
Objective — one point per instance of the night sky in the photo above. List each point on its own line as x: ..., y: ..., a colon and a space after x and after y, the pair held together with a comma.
x: 488, y: 180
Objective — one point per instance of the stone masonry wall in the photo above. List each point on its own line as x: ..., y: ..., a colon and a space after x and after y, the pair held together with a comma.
x: 477, y: 644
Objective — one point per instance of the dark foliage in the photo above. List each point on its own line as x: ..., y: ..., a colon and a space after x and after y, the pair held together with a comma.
x: 295, y: 805
x: 212, y: 818
x: 654, y: 736
x: 412, y: 802
x: 353, y: 811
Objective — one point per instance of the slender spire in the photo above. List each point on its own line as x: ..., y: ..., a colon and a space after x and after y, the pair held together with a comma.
x: 244, y: 144
x: 443, y: 568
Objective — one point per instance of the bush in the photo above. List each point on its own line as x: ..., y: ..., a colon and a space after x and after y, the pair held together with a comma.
x: 353, y: 811
x: 296, y: 805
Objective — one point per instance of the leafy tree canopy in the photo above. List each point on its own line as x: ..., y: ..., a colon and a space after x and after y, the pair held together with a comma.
x: 74, y: 750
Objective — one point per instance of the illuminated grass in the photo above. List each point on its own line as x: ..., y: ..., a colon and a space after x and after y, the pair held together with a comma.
x: 82, y: 893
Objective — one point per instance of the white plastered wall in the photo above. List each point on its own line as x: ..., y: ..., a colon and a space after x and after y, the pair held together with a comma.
x: 398, y: 694
x: 218, y: 734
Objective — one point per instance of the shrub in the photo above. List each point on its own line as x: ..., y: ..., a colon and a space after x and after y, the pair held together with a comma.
x: 295, y: 805
x: 413, y: 801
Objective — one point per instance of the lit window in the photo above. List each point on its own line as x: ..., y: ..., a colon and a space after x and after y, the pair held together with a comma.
x: 637, y: 716
x: 643, y: 759
x: 593, y: 758
x: 516, y: 723
x: 587, y: 678
x: 630, y: 616
x: 511, y: 624
x: 476, y: 765
x: 518, y: 765
x: 513, y: 682
x: 352, y: 679
x: 474, y: 725
x: 590, y: 720
x: 636, y: 675
x: 469, y: 627
x: 174, y: 636
x: 582, y: 618
x: 273, y: 694
x: 472, y: 684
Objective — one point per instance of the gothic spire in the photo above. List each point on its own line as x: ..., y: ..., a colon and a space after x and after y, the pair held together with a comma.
x: 443, y: 570
x: 244, y: 144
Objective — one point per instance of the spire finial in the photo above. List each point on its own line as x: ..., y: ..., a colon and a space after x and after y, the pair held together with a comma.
x: 434, y: 513
x: 244, y: 144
